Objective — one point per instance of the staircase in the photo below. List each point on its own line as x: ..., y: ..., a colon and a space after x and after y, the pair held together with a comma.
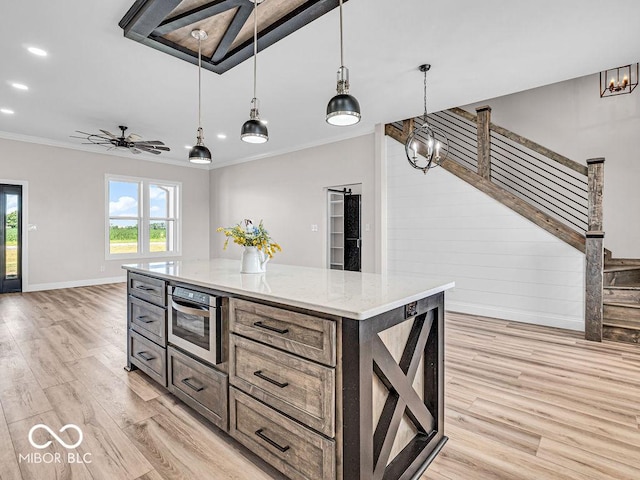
x: 560, y: 195
x: 621, y: 301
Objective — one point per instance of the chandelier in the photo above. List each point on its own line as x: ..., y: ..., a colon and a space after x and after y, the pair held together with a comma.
x: 426, y: 147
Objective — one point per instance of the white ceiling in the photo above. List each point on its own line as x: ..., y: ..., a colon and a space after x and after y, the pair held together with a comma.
x: 95, y: 78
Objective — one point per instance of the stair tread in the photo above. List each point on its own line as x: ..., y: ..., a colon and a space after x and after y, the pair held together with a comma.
x: 620, y: 324
x: 622, y: 304
x: 630, y: 286
x: 621, y: 268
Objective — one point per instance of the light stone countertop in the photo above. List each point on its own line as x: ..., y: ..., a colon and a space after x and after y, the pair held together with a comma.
x: 347, y: 294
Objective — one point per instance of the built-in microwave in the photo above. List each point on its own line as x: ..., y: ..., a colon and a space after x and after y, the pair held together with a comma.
x: 196, y: 324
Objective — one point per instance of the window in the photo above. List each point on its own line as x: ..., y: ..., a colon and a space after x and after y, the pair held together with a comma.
x: 142, y: 218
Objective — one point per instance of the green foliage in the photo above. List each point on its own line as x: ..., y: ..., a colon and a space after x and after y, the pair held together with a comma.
x: 12, y: 219
x: 12, y: 236
x: 157, y: 232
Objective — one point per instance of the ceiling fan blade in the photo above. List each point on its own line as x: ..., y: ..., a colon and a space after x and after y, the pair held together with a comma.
x: 149, y: 150
x: 108, y: 134
x: 133, y: 137
x: 84, y: 133
x: 164, y: 149
x: 134, y: 150
x: 150, y: 142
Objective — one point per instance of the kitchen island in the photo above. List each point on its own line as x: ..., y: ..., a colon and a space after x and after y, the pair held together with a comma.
x: 325, y: 374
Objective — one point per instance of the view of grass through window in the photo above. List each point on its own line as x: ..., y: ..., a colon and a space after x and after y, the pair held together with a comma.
x: 126, y: 218
x: 11, y: 236
x: 124, y: 239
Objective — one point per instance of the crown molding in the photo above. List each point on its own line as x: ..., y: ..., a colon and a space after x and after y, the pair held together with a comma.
x: 116, y: 153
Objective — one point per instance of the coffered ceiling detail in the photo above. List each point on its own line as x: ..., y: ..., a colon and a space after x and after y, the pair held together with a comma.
x: 166, y: 25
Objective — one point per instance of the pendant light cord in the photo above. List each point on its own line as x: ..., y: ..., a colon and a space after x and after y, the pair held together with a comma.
x: 255, y: 48
x: 341, y: 41
x: 425, y: 98
x: 199, y: 83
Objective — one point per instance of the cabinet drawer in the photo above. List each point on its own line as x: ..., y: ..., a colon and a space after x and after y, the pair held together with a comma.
x: 148, y: 357
x: 305, y: 335
x: 299, y: 388
x: 201, y: 387
x: 152, y: 290
x: 291, y: 448
x: 148, y: 320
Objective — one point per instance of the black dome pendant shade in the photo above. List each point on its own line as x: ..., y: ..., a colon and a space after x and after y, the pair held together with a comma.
x: 253, y: 130
x: 343, y: 109
x: 199, y: 153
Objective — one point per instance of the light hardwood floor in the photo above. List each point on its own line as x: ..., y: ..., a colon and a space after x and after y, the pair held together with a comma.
x: 522, y: 402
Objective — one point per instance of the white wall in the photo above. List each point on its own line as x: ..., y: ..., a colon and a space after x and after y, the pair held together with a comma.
x: 571, y: 118
x: 66, y: 201
x: 288, y: 193
x: 504, y: 266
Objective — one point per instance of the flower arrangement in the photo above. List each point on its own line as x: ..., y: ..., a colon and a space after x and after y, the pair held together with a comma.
x: 250, y: 236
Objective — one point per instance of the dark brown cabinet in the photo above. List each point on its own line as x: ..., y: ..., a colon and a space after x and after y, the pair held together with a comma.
x: 147, y: 324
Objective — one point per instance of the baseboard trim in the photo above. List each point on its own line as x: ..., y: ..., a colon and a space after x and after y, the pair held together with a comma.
x: 76, y: 283
x: 536, y: 318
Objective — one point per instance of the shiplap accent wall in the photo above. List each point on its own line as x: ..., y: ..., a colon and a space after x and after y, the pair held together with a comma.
x: 504, y: 266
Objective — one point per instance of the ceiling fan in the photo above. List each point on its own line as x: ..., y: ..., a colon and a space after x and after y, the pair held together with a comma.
x: 131, y: 142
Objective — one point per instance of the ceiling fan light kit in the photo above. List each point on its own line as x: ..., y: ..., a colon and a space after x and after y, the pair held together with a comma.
x: 343, y: 109
x: 199, y: 154
x: 253, y: 130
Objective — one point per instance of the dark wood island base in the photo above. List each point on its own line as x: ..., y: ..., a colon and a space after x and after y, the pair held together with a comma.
x: 315, y: 390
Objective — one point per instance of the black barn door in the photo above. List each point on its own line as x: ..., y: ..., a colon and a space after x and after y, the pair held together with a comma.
x: 352, y: 233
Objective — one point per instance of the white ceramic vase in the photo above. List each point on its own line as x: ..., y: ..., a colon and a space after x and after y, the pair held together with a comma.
x: 253, y: 261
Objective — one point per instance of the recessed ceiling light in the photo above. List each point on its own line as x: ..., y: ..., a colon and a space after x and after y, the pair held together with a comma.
x: 7, y: 111
x: 37, y: 51
x: 188, y: 147
x: 264, y: 122
x: 19, y: 86
x: 222, y: 136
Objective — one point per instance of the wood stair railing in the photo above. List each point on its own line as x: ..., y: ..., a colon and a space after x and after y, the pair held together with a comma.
x: 554, y: 192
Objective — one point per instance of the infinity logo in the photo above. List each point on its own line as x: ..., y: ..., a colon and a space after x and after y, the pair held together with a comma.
x: 53, y: 434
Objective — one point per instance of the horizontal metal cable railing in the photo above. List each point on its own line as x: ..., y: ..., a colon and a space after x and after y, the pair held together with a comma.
x: 526, y: 171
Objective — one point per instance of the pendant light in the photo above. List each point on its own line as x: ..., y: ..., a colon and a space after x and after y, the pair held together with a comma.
x: 199, y: 153
x: 424, y: 141
x: 253, y: 130
x: 343, y: 109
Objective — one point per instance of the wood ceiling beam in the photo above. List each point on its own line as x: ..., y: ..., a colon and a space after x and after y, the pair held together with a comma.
x: 146, y: 22
x: 239, y: 19
x: 144, y: 16
x: 196, y: 15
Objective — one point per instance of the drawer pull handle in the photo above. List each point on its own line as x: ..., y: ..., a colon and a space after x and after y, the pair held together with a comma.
x: 261, y: 375
x: 145, y: 356
x: 271, y: 442
x: 146, y: 289
x: 269, y: 327
x: 142, y: 319
x: 191, y: 385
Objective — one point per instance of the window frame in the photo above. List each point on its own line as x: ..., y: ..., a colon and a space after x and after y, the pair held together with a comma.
x: 144, y: 217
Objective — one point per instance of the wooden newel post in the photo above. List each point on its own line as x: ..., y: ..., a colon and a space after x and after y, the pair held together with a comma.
x: 594, y: 251
x: 484, y: 141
